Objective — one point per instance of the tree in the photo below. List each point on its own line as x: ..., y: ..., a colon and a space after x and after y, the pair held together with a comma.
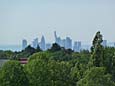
x: 78, y: 71
x: 38, y: 73
x: 46, y: 72
x: 55, y: 47
x: 68, y: 51
x: 113, y: 67
x: 96, y: 76
x: 12, y: 74
x: 38, y: 49
x: 109, y: 58
x: 6, y: 54
x: 40, y: 56
x: 97, y: 51
x: 28, y: 51
x: 60, y: 73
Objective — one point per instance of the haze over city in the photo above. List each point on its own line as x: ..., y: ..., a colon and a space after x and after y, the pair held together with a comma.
x: 78, y: 19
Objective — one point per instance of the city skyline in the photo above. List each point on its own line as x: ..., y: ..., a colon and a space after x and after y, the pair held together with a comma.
x: 66, y: 43
x: 79, y: 19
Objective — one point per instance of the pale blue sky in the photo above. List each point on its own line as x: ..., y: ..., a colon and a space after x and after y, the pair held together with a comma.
x: 79, y: 19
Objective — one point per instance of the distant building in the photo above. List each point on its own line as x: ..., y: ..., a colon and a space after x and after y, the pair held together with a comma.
x: 62, y: 43
x: 104, y: 43
x: 55, y: 35
x: 68, y: 43
x: 35, y: 43
x: 24, y: 44
x: 57, y: 39
x: 77, y: 46
x: 23, y: 60
x: 42, y: 43
x: 48, y: 46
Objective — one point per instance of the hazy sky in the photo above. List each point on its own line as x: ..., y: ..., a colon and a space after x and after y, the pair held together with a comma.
x: 78, y: 19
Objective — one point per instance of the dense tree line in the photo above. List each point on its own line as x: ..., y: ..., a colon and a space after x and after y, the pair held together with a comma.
x: 28, y: 51
x: 6, y: 54
x: 62, y: 67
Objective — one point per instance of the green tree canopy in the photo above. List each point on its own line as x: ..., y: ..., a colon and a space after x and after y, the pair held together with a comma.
x: 38, y: 73
x: 60, y: 73
x: 12, y: 74
x: 55, y: 47
x: 40, y: 55
x: 96, y: 76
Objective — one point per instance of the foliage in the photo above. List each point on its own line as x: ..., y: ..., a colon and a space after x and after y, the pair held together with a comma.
x: 96, y: 76
x: 60, y: 67
x: 79, y: 68
x: 39, y: 55
x: 45, y: 72
x: 28, y: 51
x: 113, y: 67
x: 60, y: 73
x: 60, y: 56
x: 6, y: 54
x: 97, y: 51
x: 12, y: 74
x: 38, y: 73
x: 55, y: 47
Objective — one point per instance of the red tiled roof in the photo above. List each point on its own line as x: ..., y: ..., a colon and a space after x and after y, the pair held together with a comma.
x: 23, y: 60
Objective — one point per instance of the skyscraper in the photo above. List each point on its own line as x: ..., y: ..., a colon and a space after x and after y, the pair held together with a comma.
x: 35, y: 43
x: 114, y: 44
x: 104, y: 43
x: 24, y: 44
x: 55, y: 35
x: 57, y: 39
x: 42, y: 43
x: 48, y: 46
x: 63, y: 43
x: 68, y: 43
x: 77, y: 46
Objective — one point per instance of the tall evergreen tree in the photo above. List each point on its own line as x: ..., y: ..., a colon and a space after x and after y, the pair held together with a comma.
x: 97, y: 51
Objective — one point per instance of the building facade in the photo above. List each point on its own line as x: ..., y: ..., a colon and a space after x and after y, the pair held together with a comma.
x: 24, y: 44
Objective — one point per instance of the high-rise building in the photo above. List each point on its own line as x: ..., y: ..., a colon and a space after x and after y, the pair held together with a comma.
x: 57, y: 39
x: 35, y: 43
x: 62, y: 43
x: 104, y: 43
x: 114, y: 44
x: 68, y: 43
x: 48, y: 46
x: 55, y: 35
x: 24, y: 44
x: 77, y: 46
x: 42, y: 43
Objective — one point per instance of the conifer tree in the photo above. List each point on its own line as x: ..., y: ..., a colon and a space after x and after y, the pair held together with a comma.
x: 97, y: 51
